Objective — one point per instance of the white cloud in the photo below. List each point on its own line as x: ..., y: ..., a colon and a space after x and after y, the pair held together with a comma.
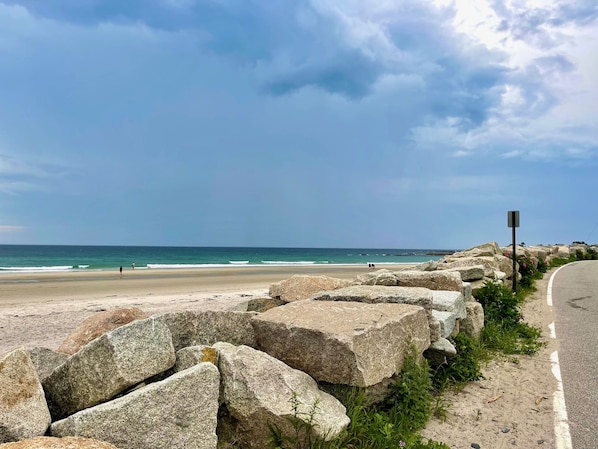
x: 512, y: 154
x: 11, y: 228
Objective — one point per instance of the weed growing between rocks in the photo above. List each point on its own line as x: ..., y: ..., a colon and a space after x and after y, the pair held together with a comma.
x: 303, y: 423
x: 464, y: 368
x: 393, y: 424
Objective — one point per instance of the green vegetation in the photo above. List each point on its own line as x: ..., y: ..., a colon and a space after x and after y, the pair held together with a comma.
x: 504, y: 328
x: 590, y: 254
x: 464, y: 368
x: 302, y: 436
x: 393, y: 424
x: 416, y: 394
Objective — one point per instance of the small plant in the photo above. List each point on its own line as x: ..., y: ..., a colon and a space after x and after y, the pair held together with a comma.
x: 411, y: 395
x: 393, y: 424
x: 303, y: 423
x: 560, y: 261
x: 464, y: 367
x: 440, y: 407
x: 500, y: 305
x: 504, y: 328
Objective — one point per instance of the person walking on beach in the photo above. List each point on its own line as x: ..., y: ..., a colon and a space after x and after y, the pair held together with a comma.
x: 121, y: 271
x: 133, y: 266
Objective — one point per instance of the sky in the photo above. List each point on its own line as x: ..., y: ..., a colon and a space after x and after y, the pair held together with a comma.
x: 306, y: 123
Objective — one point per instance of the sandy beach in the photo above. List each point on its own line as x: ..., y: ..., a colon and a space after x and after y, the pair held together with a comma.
x: 41, y: 309
x: 511, y: 407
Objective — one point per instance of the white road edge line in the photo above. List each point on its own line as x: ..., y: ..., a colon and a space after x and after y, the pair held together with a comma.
x: 561, y: 422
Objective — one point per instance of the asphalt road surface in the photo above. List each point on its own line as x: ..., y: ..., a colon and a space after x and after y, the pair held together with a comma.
x: 575, y: 298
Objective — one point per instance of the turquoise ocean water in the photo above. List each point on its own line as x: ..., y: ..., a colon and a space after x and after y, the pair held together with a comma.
x: 39, y: 258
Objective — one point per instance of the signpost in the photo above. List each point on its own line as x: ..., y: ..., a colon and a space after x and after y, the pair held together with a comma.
x: 513, y: 222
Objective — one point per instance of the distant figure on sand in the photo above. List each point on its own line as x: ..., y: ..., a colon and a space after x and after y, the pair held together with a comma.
x: 133, y: 266
x: 121, y: 271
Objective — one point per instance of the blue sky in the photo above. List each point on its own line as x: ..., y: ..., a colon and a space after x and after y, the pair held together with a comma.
x: 353, y: 123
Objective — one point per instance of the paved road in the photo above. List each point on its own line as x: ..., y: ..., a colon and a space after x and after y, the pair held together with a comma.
x: 575, y: 298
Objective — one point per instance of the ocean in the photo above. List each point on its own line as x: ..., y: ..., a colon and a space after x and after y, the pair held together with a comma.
x: 40, y: 258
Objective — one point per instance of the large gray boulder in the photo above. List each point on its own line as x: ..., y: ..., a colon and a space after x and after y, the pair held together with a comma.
x: 97, y: 325
x: 46, y: 361
x: 539, y: 252
x: 486, y: 249
x: 473, y: 323
x: 379, y: 294
x: 23, y: 409
x: 487, y: 263
x: 504, y: 264
x: 378, y: 277
x: 472, y: 273
x: 179, y: 412
x: 193, y: 355
x: 440, y: 351
x: 447, y: 320
x: 109, y: 365
x: 448, y: 301
x: 563, y: 251
x: 467, y: 292
x: 490, y: 263
x: 192, y: 328
x: 58, y: 443
x: 350, y: 343
x: 433, y: 280
x: 300, y: 287
x: 259, y: 390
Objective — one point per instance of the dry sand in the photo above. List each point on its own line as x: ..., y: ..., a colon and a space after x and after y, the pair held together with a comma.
x: 41, y: 309
x: 511, y: 407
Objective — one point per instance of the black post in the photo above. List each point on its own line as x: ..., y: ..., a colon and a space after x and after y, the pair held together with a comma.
x: 514, y: 256
x: 513, y: 222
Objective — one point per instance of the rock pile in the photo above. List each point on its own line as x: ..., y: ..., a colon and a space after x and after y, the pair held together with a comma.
x: 195, y: 379
x: 130, y: 387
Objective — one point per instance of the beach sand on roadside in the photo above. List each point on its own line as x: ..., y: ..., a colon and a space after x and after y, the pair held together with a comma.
x: 513, y: 405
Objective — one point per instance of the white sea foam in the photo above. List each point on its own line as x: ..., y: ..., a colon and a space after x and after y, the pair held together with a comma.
x: 287, y: 262
x: 238, y: 262
x: 83, y: 266
x: 38, y: 269
x: 168, y: 266
x: 163, y: 266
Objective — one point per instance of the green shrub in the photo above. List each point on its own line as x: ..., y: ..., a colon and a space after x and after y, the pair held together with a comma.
x: 519, y: 339
x: 504, y: 329
x: 528, y: 268
x: 560, y: 261
x: 411, y: 396
x: 394, y: 424
x: 500, y: 305
x: 464, y: 367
